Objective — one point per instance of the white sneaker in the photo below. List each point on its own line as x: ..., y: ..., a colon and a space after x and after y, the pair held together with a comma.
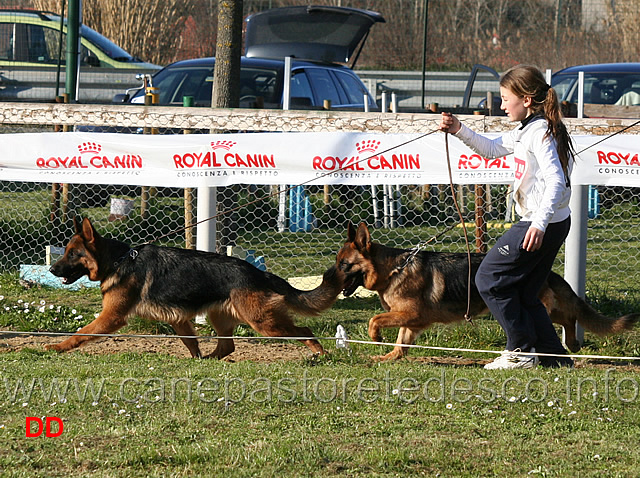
x: 510, y: 360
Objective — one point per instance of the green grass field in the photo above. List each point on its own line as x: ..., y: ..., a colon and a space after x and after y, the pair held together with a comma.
x: 155, y: 415
x: 439, y: 414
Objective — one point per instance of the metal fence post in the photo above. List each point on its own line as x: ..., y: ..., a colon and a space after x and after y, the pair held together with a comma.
x: 575, y: 252
x: 206, y: 208
x: 286, y: 105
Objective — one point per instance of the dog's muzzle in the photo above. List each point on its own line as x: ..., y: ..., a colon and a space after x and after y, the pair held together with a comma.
x: 67, y: 277
x: 352, y: 283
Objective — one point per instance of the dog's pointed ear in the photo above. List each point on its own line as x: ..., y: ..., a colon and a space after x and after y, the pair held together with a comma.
x: 77, y: 224
x: 88, y: 232
x: 363, y: 237
x: 351, y: 232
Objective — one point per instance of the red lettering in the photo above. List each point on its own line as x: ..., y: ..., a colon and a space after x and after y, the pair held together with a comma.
x: 520, y: 167
x: 241, y: 162
x: 48, y: 432
x: 228, y: 158
x: 268, y: 161
x: 28, y: 432
x: 384, y: 164
x: 254, y: 160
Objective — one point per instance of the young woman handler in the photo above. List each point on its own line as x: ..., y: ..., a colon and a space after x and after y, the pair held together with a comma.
x: 515, y: 268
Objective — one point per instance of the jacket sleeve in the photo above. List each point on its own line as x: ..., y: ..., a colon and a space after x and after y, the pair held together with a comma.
x: 488, y: 148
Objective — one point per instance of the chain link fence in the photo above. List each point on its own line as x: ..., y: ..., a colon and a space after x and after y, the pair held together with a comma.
x: 34, y: 216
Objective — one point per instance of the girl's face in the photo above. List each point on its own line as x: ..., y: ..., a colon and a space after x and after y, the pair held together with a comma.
x: 516, y: 107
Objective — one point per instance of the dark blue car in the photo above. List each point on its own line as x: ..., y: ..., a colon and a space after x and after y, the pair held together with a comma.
x: 604, y: 84
x: 322, y: 41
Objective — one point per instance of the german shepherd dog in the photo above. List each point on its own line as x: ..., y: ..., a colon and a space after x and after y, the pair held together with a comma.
x: 173, y: 285
x: 432, y: 287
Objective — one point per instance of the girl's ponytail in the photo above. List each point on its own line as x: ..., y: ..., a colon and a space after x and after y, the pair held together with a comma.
x: 557, y: 129
x: 525, y: 80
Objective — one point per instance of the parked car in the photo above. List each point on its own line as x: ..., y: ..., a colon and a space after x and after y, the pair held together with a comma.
x: 604, y: 84
x: 320, y: 39
x: 261, y: 83
x: 30, y: 51
x: 31, y: 38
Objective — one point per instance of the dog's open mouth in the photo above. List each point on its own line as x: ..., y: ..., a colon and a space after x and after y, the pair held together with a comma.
x: 69, y: 278
x: 352, y: 283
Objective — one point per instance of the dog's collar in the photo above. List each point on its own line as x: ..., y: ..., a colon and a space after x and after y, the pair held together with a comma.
x: 409, y: 259
x: 131, y: 253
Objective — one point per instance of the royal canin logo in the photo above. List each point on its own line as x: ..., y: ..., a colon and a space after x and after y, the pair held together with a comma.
x: 221, y: 156
x: 367, y: 160
x: 226, y: 145
x: 618, y: 159
x: 90, y: 157
x: 477, y: 162
x: 367, y: 146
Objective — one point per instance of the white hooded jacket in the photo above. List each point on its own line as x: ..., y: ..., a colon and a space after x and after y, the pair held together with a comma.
x: 541, y: 190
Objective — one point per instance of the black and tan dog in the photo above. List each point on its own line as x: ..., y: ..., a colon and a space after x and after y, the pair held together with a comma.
x: 173, y: 285
x: 432, y: 287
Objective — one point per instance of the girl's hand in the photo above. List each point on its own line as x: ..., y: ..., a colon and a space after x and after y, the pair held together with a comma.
x: 533, y: 239
x: 449, y: 123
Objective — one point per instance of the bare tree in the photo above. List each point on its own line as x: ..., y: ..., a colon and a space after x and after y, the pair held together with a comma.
x: 226, y: 77
x: 547, y: 33
x: 149, y: 29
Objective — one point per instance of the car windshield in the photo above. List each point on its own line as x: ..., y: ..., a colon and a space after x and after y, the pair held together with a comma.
x: 599, y: 88
x: 176, y: 83
x: 109, y: 48
x: 112, y: 50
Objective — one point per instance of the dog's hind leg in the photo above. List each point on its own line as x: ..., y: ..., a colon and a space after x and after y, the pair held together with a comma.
x: 284, y: 327
x: 268, y: 315
x: 224, y: 325
x: 186, y: 329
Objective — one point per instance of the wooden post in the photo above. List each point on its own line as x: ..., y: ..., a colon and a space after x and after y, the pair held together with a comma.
x: 189, y: 236
x: 490, y: 103
x: 481, y: 225
x: 151, y: 97
x: 64, y: 194
x: 55, y: 199
x: 65, y: 202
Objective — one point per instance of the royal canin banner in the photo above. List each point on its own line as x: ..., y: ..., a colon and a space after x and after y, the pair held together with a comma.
x: 287, y: 158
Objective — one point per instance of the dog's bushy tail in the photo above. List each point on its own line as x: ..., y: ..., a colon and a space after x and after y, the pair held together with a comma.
x: 600, y: 324
x: 567, y: 308
x: 312, y: 302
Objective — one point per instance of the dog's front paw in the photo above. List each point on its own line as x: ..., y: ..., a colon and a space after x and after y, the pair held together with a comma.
x: 53, y: 348
x: 393, y: 355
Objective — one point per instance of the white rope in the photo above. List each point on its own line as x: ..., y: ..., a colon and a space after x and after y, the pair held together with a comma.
x: 352, y: 341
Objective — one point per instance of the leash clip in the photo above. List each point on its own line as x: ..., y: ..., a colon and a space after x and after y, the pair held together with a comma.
x: 133, y: 254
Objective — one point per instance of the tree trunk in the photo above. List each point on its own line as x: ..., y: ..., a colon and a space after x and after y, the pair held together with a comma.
x: 226, y: 94
x: 226, y: 77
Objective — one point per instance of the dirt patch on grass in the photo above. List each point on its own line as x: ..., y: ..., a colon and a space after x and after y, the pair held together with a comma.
x: 250, y: 349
